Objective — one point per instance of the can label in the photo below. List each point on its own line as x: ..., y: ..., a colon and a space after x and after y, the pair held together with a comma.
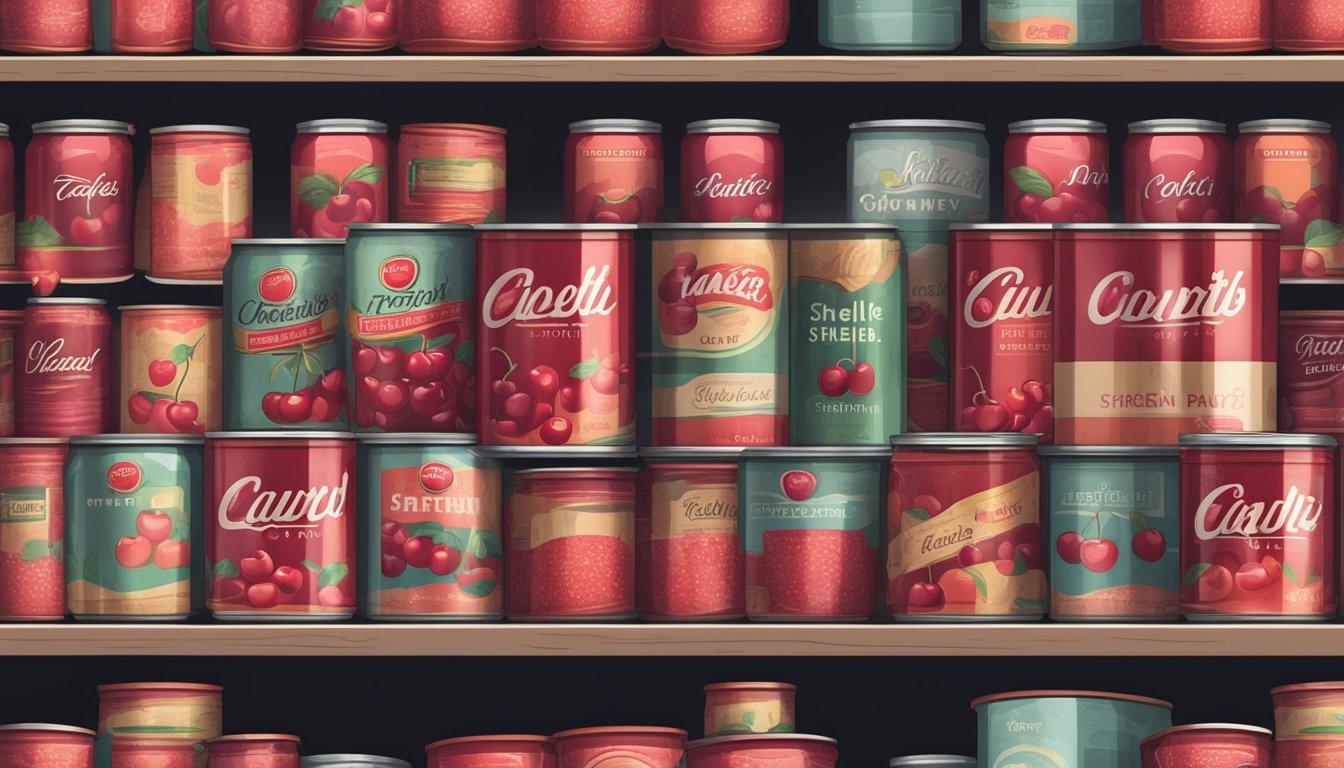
x: 720, y: 347
x: 337, y: 179
x: 1177, y: 177
x: 848, y: 303
x: 1057, y: 177
x: 1292, y: 180
x: 1311, y: 372
x: 65, y: 376
x: 32, y: 532
x: 169, y: 370
x: 687, y: 552
x: 456, y: 174
x: 614, y: 178
x: 8, y: 333
x: 201, y: 199
x: 370, y: 25
x: 1061, y: 732
x: 732, y: 177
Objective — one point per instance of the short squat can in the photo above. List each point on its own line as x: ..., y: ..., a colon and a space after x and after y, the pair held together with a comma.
x: 1210, y: 745
x: 253, y: 750
x: 45, y: 744
x: 737, y: 708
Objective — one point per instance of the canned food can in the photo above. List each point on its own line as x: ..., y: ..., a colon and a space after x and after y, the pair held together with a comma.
x: 338, y: 176
x: 201, y: 198
x: 1287, y: 173
x: 7, y: 216
x: 1045, y: 26
x: 708, y: 27
x: 467, y: 26
x: 687, y: 556
x: 1311, y: 26
x: 521, y: 751
x: 451, y: 172
x: 1259, y: 520
x: 1164, y: 329
x: 77, y: 200
x: 785, y: 750
x: 1306, y: 719
x: 32, y: 529
x: 648, y: 746
x: 1068, y: 724
x: 36, y: 28
x: 143, y: 26
x: 718, y: 359
x: 736, y: 708
x: 434, y: 525
x: 1177, y: 171
x: 65, y: 378
x: 47, y: 745
x: 964, y: 528
x: 11, y: 320
x: 891, y: 25
x: 1215, y: 745
x: 571, y: 544
x: 921, y: 175
x: 351, y: 761
x: 1115, y: 526
x: 811, y: 521
x: 583, y: 26
x: 284, y: 349
x: 412, y: 325
x: 1057, y: 171
x: 847, y: 288
x: 1233, y: 26
x: 369, y: 26
x: 1311, y: 372
x: 253, y: 750
x: 1002, y: 352
x: 170, y: 361
x: 161, y: 716
x: 281, y: 542
x: 732, y: 171
x: 253, y: 26
x: 614, y: 172
x: 557, y: 335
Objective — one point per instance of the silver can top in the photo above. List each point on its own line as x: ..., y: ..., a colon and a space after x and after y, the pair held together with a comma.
x: 342, y: 125
x: 280, y: 435
x: 615, y: 126
x: 1053, y: 125
x: 1256, y: 440
x: 82, y: 126
x: 965, y: 441
x: 1177, y: 125
x: 918, y: 125
x: 138, y: 439
x: 684, y: 454
x: 819, y: 452
x: 47, y: 728
x: 351, y: 761
x: 202, y: 128
x: 1284, y: 126
x: 931, y: 761
x: 1109, y: 451
x: 732, y: 125
x: 274, y: 242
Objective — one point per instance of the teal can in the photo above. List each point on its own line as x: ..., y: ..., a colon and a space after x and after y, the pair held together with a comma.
x: 1115, y: 516
x: 1066, y: 729
x: 201, y: 39
x: 891, y: 25
x: 134, y: 523
x: 284, y: 335
x: 847, y: 365
x: 1048, y: 26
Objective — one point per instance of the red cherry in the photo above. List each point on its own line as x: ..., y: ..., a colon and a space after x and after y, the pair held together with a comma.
x: 139, y: 407
x: 393, y: 566
x: 1149, y: 545
x: 1005, y: 567
x: 1043, y: 423
x: 134, y: 551
x: 970, y: 555
x: 926, y: 597
x: 296, y: 407
x: 444, y: 560
x: 972, y: 278
x: 86, y: 233
x: 571, y: 396
x: 389, y: 363
x: 158, y: 415
x: 678, y: 318
x: 441, y: 365
x: 545, y: 383
x: 340, y: 208
x: 1019, y: 423
x: 332, y: 596
x: 162, y: 372
x: 1005, y: 550
x: 1252, y: 577
x: 326, y: 409
x: 363, y: 414
x: 429, y: 400
x: 420, y: 368
x: 257, y: 566
x: 263, y: 596
x: 1213, y: 585
x: 1098, y: 555
x: 270, y: 407
x: 833, y: 381
x: 418, y: 551
x: 447, y: 421
x: 183, y: 414
x: 366, y: 359
x: 1067, y: 546
x: 1035, y: 393
x: 862, y: 379
x: 556, y: 431
x: 1016, y: 400
x: 518, y: 406
x: 992, y: 417
x: 1028, y: 552
x: 332, y: 384
x: 392, y: 396
x: 288, y: 580
x: 606, y: 381
x: 982, y: 309
x: 798, y: 484
x: 928, y: 503
x: 154, y: 525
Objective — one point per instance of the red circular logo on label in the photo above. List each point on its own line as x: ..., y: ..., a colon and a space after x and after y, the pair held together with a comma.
x: 277, y: 285
x: 436, y: 477
x: 398, y: 272
x: 124, y: 476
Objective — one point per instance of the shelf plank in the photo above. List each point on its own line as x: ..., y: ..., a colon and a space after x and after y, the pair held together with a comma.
x: 645, y: 69
x: 671, y: 640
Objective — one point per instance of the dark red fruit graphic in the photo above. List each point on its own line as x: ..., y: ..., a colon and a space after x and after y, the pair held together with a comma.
x: 1209, y: 584
x: 617, y: 206
x: 926, y: 597
x: 393, y: 566
x: 1098, y: 555
x: 172, y: 554
x: 833, y: 381
x: 970, y: 555
x: 256, y: 567
x: 1149, y: 545
x: 154, y: 525
x: 1023, y: 408
x: 1068, y: 545
x: 288, y: 580
x: 264, y: 595
x: 418, y: 551
x: 166, y: 411
x: 162, y: 372
x: 847, y: 376
x: 329, y: 204
x: 134, y: 551
x: 798, y: 484
x: 444, y: 560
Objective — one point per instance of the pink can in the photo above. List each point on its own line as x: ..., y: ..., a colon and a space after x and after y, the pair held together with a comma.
x: 1057, y: 171
x: 46, y: 26
x: 253, y: 750
x: 515, y: 751
x: 1308, y: 26
x: 256, y: 26
x: 42, y: 745
x: 598, y: 26
x: 763, y: 750
x: 1177, y: 171
x: 732, y: 171
x: 1226, y: 26
x: 1208, y: 745
x: 467, y: 26
x: 65, y: 369
x: 369, y: 25
x: 647, y: 746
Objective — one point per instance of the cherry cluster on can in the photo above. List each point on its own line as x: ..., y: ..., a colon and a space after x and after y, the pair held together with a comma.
x: 258, y: 582
x: 401, y: 551
x: 518, y: 407
x: 397, y: 388
x: 1027, y: 407
x: 323, y: 400
x: 1099, y: 554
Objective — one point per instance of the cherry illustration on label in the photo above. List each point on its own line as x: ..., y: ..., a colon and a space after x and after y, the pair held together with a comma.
x: 798, y: 484
x: 168, y: 413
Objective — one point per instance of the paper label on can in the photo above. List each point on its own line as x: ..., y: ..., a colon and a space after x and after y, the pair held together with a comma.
x: 203, y: 189
x: 720, y: 395
x: 453, y: 174
x: 920, y: 179
x: 7, y: 229
x: 1035, y: 31
x: 980, y: 516
x: 1308, y: 723
x: 536, y: 520
x: 739, y: 717
x: 24, y: 504
x: 1232, y: 395
x: 694, y: 508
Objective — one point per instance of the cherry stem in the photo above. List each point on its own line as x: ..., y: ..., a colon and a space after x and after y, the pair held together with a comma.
x: 983, y: 391
x: 424, y: 342
x: 177, y: 393
x: 512, y: 365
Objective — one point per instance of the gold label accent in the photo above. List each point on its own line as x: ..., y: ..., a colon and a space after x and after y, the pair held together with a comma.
x: 724, y: 394
x: 539, y: 519
x: 1141, y: 389
x: 694, y: 508
x: 850, y: 265
x: 981, y: 516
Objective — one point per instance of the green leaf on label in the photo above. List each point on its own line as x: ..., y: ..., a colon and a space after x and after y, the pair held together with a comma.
x: 782, y: 728
x: 1019, y: 564
x: 1031, y: 181
x: 57, y: 547
x: 731, y: 728
x: 919, y: 513
x: 1275, y: 192
x: 180, y: 353
x: 489, y: 540
x: 447, y: 537
x: 584, y: 369
x: 326, y: 10
x: 369, y: 174
x: 980, y: 585
x: 480, y: 588
x: 427, y: 528
x: 741, y: 219
x: 152, y: 396
x: 749, y: 717
x: 307, y: 359
x: 1323, y: 234
x: 332, y: 574
x: 1290, y: 573
x: 1193, y: 573
x: 1322, y: 729
x: 317, y: 189
x: 226, y: 568
x: 310, y: 565
x: 36, y: 233
x: 34, y: 549
x: 466, y: 352
x: 279, y: 366
x: 1139, y: 521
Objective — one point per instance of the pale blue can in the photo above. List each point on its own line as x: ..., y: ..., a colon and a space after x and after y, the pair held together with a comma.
x: 891, y: 25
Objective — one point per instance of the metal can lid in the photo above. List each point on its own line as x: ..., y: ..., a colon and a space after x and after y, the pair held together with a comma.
x: 137, y: 439
x: 54, y: 301
x: 558, y: 452
x: 932, y: 761
x: 1335, y: 315
x: 621, y: 729
x: 1167, y: 227
x: 273, y: 242
x: 47, y: 728
x: 200, y: 128
x: 342, y: 125
x: 247, y: 737
x: 918, y: 124
x: 417, y: 438
x: 819, y: 452
x: 458, y: 128
x: 608, y: 125
x: 1234, y: 727
x: 732, y: 125
x: 1056, y: 125
x: 752, y: 686
x: 385, y: 226
x: 166, y: 308
x: 352, y: 761
x: 1256, y: 440
x: 33, y: 442
x: 4, y: 129
x: 869, y: 227
x: 280, y: 435
x: 715, y: 226
x: 1069, y: 694
x: 710, y: 453
x: 1107, y: 451
x: 1177, y: 125
x: 1307, y: 687
x: 1280, y: 125
x: 82, y: 126
x: 185, y: 687
x: 743, y: 738
x: 180, y: 281
x: 966, y: 440
x: 571, y: 470
x: 969, y: 226
x: 555, y: 227
x: 524, y: 738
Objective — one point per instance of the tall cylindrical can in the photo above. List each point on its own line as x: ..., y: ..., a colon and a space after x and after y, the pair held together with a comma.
x: 732, y: 171
x: 27, y: 27
x: 451, y: 172
x: 847, y: 298
x: 521, y: 751
x: 49, y: 746
x: 11, y: 320
x: 1057, y: 171
x: 604, y: 26
x: 433, y: 525
x: 719, y: 338
x: 201, y: 197
x: 1210, y: 745
x: 255, y: 26
x: 921, y: 175
x: 556, y: 353
x: 964, y: 528
x: 143, y: 26
x: 253, y: 750
x: 614, y: 172
x: 7, y: 182
x: 1306, y: 722
x: 1312, y: 26
x: 170, y: 365
x: 467, y: 26
x: 1194, y: 26
x: 742, y: 708
x: 710, y: 27
x: 1124, y: 376
x: 1311, y: 372
x: 891, y: 25
x: 166, y: 723
x: 1259, y: 522
x: 1050, y: 26
x: 280, y: 541
x: 571, y: 544
x: 1177, y: 171
x: 1287, y: 173
x: 32, y: 529
x: 284, y: 337
x: 338, y: 176
x: 64, y: 369
x: 77, y: 201
x: 367, y: 26
x: 1002, y: 282
x: 412, y: 323
x: 687, y: 557
x: 1114, y: 519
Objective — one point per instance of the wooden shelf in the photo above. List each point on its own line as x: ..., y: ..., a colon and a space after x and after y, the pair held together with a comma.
x: 645, y: 69
x: 671, y: 640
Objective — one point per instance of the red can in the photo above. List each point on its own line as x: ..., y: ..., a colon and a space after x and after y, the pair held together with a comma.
x: 10, y: 322
x: 1306, y: 723
x: 1309, y: 26
x: 253, y: 750
x: 201, y: 198
x: 556, y: 355
x: 1002, y: 359
x: 255, y: 26
x: 777, y: 750
x: 46, y: 746
x: 1058, y: 171
x: 152, y: 26
x: 1213, y: 26
x: 1209, y: 745
x: 614, y: 172
x: 1311, y: 372
x: 451, y: 172
x: 467, y: 26
x: 281, y: 546
x: 32, y: 529
x: 338, y: 176
x: 492, y: 751
x: 1258, y: 527
x: 370, y: 25
x: 571, y: 544
x: 77, y: 201
x: 713, y: 27
x: 1178, y: 171
x: 7, y: 216
x: 1163, y: 329
x: 51, y: 26
x: 598, y: 26
x: 621, y: 745
x: 688, y: 559
x: 732, y: 170
x: 65, y: 372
